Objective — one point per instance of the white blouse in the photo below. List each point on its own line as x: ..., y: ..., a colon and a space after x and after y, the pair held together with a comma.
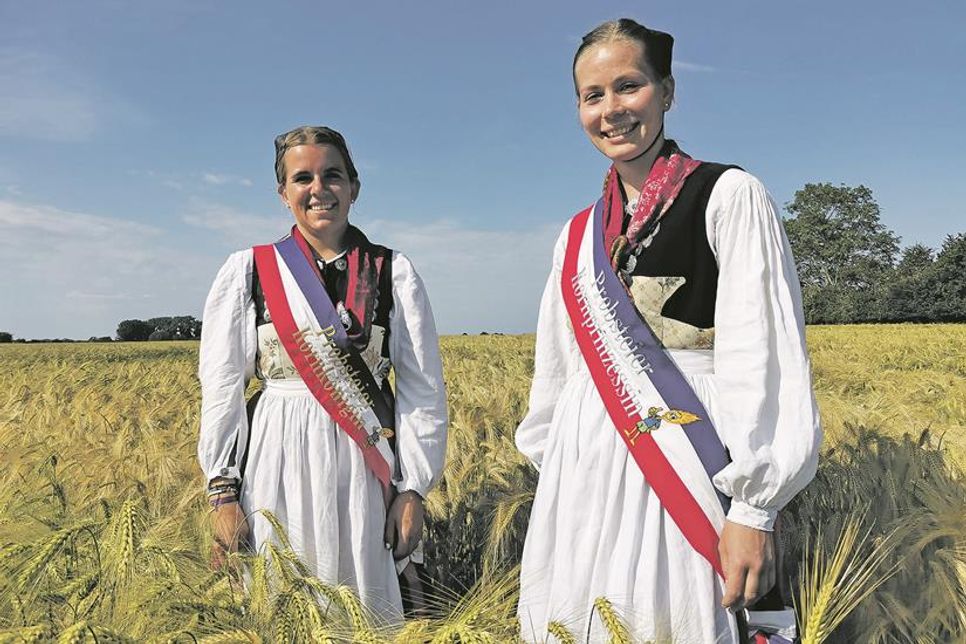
x: 764, y: 408
x: 228, y: 356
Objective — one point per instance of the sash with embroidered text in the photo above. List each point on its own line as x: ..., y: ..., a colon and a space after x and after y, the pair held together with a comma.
x: 310, y: 328
x: 656, y: 412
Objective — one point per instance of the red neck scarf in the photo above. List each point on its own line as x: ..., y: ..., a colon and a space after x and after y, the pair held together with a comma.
x: 665, y: 180
x: 365, y: 263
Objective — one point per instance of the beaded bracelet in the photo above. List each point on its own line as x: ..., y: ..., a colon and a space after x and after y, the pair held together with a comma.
x: 222, y: 485
x: 219, y: 482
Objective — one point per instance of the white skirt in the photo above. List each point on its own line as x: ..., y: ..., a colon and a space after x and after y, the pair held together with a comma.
x: 308, y: 472
x: 598, y: 530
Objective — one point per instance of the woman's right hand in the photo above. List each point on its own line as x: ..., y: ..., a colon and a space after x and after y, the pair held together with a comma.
x: 230, y: 530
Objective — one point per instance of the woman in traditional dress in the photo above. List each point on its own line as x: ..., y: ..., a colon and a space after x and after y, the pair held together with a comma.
x: 320, y: 317
x: 671, y: 412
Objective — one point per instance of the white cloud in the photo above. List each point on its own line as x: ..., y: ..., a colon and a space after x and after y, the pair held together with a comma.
x: 60, y: 225
x: 366, y: 167
x: 44, y: 98
x: 80, y: 295
x: 239, y: 229
x: 478, y: 280
x: 682, y: 66
x: 192, y: 181
x: 172, y: 181
x: 72, y: 274
x: 216, y: 179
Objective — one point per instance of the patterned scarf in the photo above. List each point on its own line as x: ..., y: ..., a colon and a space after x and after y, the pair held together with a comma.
x: 365, y: 264
x: 665, y: 180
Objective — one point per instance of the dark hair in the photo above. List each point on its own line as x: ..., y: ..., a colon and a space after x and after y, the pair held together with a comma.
x: 311, y: 135
x: 656, y: 45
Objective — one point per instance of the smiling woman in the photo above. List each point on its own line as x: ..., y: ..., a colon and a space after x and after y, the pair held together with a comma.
x: 327, y: 447
x: 671, y: 413
x: 318, y: 183
x: 621, y: 100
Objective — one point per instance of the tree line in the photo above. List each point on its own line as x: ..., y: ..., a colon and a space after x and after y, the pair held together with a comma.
x: 850, y: 266
x: 181, y: 327
x: 852, y: 269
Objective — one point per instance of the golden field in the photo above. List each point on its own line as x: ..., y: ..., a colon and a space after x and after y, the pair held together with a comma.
x: 103, y: 522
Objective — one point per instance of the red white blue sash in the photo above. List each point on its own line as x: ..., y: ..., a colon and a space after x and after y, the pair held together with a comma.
x: 655, y: 410
x: 312, y: 333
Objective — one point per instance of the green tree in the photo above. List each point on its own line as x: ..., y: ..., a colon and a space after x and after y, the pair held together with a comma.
x: 950, y: 280
x: 6, y: 337
x: 915, y: 259
x: 843, y: 253
x: 133, y: 330
x: 160, y: 334
x: 910, y: 295
x: 180, y: 327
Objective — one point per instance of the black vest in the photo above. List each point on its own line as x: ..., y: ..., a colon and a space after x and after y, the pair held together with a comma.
x: 336, y: 285
x: 680, y: 249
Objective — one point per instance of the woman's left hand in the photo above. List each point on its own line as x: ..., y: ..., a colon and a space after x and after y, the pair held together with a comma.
x: 404, y: 524
x: 748, y: 561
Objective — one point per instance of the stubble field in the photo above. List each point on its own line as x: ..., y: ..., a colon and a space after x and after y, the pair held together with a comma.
x: 103, y: 523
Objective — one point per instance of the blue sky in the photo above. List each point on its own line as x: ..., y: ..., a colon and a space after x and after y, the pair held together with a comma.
x: 136, y: 138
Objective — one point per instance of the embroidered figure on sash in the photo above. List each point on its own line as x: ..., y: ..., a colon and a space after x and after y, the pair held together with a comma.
x: 653, y: 421
x: 679, y: 417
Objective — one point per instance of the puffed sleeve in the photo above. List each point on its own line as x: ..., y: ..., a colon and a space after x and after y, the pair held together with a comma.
x: 420, y: 392
x: 225, y: 365
x: 555, y: 358
x: 766, y: 410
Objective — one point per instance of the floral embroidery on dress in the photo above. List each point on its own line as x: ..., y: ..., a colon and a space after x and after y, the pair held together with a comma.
x: 272, y: 360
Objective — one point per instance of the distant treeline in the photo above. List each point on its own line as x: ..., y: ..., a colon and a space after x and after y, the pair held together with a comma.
x: 180, y: 327
x: 850, y: 266
x: 7, y: 337
x: 852, y: 270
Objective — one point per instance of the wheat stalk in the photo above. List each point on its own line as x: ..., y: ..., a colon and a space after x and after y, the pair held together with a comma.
x: 85, y: 427
x: 833, y: 585
x: 237, y: 636
x: 26, y: 635
x: 560, y: 631
x: 353, y: 608
x: 619, y: 634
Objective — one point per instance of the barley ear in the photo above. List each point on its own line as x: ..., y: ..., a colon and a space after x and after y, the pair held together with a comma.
x: 619, y: 634
x: 560, y: 631
x: 834, y: 584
